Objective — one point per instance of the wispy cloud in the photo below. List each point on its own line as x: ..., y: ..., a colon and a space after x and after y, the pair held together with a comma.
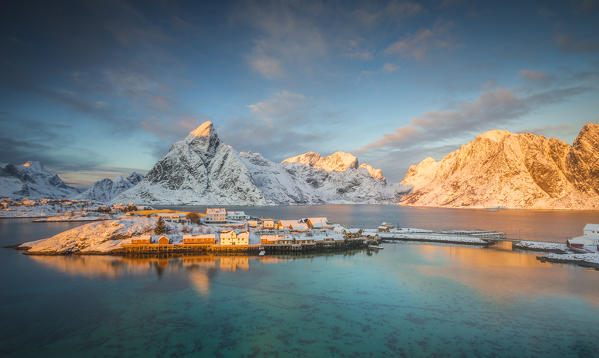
x: 288, y: 36
x: 534, y: 75
x: 421, y: 43
x: 282, y: 125
x: 387, y: 68
x: 492, y: 108
x: 392, y: 10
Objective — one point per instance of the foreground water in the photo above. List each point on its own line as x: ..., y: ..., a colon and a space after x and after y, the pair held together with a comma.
x: 405, y: 300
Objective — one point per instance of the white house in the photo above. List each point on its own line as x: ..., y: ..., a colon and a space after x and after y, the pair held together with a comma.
x: 589, y: 241
x: 591, y: 231
x: 216, y: 215
x: 317, y: 223
x: 237, y: 216
x: 293, y: 225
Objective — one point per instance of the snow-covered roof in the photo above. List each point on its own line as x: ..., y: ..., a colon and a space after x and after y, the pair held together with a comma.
x: 591, y: 227
x: 318, y: 222
x: 582, y: 240
x: 216, y: 211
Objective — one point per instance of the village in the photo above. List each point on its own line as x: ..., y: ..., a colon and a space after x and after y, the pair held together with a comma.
x: 219, y: 230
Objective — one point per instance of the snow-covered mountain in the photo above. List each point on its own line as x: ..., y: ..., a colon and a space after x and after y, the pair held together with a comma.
x: 105, y: 190
x: 201, y: 169
x: 32, y: 180
x: 503, y: 169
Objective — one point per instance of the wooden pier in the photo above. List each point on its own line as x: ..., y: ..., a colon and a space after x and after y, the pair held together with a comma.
x: 165, y: 249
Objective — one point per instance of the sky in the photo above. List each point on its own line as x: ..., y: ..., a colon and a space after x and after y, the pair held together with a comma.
x: 95, y: 89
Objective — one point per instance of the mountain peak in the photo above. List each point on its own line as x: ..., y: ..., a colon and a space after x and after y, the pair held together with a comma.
x: 33, y: 165
x: 341, y: 161
x: 495, y: 135
x: 204, y: 130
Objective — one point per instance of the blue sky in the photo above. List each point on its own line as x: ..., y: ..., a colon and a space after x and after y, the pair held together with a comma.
x: 100, y: 88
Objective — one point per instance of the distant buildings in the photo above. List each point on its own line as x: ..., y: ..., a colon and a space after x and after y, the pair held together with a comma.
x: 589, y: 241
x: 216, y: 215
x: 237, y: 216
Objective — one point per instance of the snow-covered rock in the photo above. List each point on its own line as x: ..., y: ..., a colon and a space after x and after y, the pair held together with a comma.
x: 32, y: 180
x: 202, y: 170
x: 105, y: 190
x: 100, y: 236
x: 504, y: 169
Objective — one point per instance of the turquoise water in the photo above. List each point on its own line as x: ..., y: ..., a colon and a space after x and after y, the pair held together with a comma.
x: 405, y: 300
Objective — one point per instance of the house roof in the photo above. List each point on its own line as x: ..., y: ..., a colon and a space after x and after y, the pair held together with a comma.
x: 594, y: 227
x: 216, y: 211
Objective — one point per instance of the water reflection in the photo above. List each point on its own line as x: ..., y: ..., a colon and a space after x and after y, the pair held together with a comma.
x: 199, y: 269
x: 502, y: 275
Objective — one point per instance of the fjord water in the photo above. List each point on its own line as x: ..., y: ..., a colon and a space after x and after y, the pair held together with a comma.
x: 408, y: 299
x: 538, y: 225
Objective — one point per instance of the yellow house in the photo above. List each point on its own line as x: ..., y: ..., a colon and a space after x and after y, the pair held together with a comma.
x: 268, y: 224
x: 230, y: 237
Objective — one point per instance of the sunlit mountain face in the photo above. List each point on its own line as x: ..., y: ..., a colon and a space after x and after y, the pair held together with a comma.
x: 98, y: 90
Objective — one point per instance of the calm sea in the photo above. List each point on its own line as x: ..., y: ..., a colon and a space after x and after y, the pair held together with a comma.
x: 406, y: 300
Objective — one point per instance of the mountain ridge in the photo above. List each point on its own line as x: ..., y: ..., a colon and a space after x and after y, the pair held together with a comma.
x: 504, y: 169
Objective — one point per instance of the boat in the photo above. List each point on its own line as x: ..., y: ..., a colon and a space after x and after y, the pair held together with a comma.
x: 261, y: 253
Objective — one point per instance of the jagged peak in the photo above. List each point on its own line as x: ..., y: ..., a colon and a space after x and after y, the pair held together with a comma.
x: 341, y: 161
x: 203, y: 130
x: 495, y: 135
x: 34, y: 165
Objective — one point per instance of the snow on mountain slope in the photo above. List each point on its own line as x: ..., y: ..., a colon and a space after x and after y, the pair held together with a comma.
x: 105, y: 190
x: 202, y: 170
x: 199, y: 170
x: 278, y: 184
x: 339, y: 178
x: 32, y: 180
x: 503, y: 169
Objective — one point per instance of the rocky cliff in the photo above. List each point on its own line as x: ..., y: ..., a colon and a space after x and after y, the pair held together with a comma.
x: 503, y: 169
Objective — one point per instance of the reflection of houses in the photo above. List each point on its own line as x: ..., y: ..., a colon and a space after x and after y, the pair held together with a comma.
x: 237, y: 216
x: 216, y: 215
x: 199, y: 239
x: 293, y: 225
x: 589, y: 241
x: 234, y: 263
x: 230, y: 237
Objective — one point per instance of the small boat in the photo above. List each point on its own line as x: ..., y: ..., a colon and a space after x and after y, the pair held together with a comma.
x: 261, y: 253
x: 376, y: 247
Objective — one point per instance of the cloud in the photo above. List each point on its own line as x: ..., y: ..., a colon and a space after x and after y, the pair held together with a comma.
x: 282, y: 125
x: 536, y: 78
x: 393, y: 10
x: 421, y: 43
x: 387, y: 68
x: 287, y: 36
x: 492, y: 108
x: 265, y: 65
x: 568, y: 43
